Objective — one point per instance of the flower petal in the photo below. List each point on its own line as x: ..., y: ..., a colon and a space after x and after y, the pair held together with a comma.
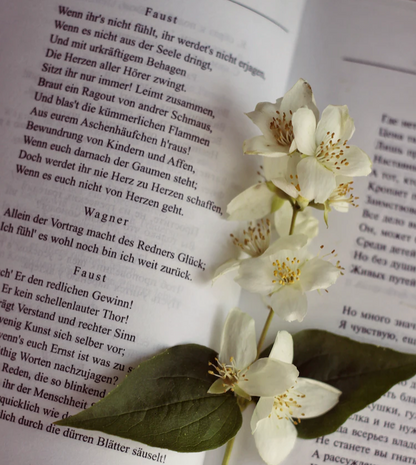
x: 304, y: 126
x: 319, y: 397
x: 230, y: 265
x: 318, y: 274
x: 283, y: 347
x: 294, y: 242
x: 218, y: 387
x: 274, y: 167
x: 268, y: 377
x: 263, y: 408
x: 289, y: 303
x: 238, y: 339
x: 252, y: 204
x: 262, y: 116
x: 335, y: 120
x: 341, y: 206
x: 316, y: 182
x: 260, y: 145
x: 286, y: 186
x: 240, y: 392
x: 298, y: 96
x: 256, y: 275
x: 274, y: 439
x: 359, y: 163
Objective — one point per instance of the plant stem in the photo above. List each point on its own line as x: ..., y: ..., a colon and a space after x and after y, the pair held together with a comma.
x: 294, y: 215
x: 264, y: 332
x: 228, y: 450
x: 271, y: 313
x: 243, y: 404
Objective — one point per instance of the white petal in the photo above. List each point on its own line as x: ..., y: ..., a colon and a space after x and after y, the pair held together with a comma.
x: 269, y: 108
x: 252, y: 204
x: 262, y: 116
x: 359, y: 163
x: 335, y: 120
x: 294, y: 242
x: 263, y: 408
x: 340, y: 206
x: 347, y: 123
x: 318, y: 274
x: 230, y: 265
x: 316, y: 182
x: 274, y: 439
x: 268, y: 377
x: 289, y: 303
x: 240, y: 392
x: 260, y: 145
x: 286, y: 186
x: 306, y: 224
x: 274, y: 167
x: 319, y: 397
x: 298, y: 96
x: 218, y: 387
x: 238, y: 339
x: 283, y: 347
x: 256, y: 275
x: 304, y: 126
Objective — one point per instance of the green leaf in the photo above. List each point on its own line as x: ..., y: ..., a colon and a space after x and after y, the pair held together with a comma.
x: 363, y: 372
x: 164, y: 403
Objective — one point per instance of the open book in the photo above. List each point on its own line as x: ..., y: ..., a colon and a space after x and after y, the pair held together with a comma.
x: 122, y: 124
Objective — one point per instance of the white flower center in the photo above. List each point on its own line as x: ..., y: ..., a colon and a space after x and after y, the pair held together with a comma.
x: 282, y: 129
x: 331, y: 153
x: 286, y: 272
x: 255, y: 240
x: 228, y: 373
x: 287, y: 406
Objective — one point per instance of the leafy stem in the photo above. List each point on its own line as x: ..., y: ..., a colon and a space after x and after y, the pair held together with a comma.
x: 228, y: 450
x: 242, y: 402
x: 264, y: 332
x: 295, y: 208
x: 294, y: 215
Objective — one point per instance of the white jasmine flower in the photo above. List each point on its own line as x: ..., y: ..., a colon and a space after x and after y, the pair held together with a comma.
x: 274, y: 419
x: 325, y: 151
x: 237, y: 367
x: 255, y: 242
x: 255, y: 239
x: 285, y: 272
x: 275, y: 121
x: 289, y: 181
x: 341, y: 198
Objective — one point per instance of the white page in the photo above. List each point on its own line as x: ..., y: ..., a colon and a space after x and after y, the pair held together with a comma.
x: 286, y: 14
x: 124, y: 257
x: 335, y: 38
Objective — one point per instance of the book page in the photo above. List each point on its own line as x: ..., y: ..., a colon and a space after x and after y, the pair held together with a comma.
x: 122, y: 125
x: 286, y: 14
x: 362, y: 55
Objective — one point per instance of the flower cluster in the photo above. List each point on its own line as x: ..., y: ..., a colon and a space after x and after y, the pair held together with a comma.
x: 307, y: 162
x: 237, y: 367
x: 314, y: 161
x: 285, y: 398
